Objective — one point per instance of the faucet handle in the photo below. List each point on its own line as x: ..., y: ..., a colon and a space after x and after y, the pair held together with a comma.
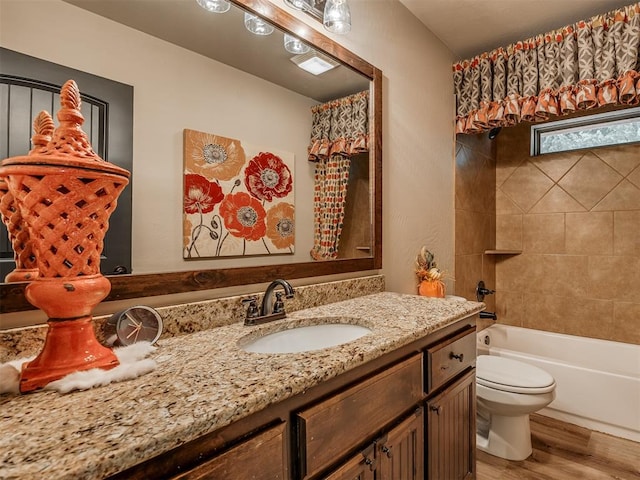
x: 252, y: 310
x: 278, y: 306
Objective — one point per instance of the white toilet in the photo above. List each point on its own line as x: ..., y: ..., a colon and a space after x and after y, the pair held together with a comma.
x: 507, y: 392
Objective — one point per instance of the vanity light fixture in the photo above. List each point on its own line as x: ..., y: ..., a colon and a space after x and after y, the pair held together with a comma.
x: 295, y: 45
x: 314, y: 63
x: 337, y: 16
x: 257, y: 25
x: 215, y: 6
x: 303, y: 5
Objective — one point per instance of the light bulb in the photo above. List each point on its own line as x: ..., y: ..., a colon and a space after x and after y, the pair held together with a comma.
x: 215, y: 6
x: 295, y: 45
x: 257, y: 25
x: 337, y: 16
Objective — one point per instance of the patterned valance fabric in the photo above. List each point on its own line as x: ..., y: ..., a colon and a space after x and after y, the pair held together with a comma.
x: 581, y: 66
x: 340, y: 127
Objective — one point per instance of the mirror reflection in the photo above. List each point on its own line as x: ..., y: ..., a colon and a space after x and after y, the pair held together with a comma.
x: 176, y: 86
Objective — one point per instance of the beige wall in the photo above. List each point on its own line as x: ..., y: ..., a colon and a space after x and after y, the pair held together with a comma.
x: 576, y: 218
x: 418, y: 124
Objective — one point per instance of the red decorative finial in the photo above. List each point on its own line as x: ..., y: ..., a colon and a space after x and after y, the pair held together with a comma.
x: 42, y: 130
x: 69, y: 138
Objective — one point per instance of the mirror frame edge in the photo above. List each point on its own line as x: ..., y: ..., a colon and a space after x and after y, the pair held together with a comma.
x: 154, y: 284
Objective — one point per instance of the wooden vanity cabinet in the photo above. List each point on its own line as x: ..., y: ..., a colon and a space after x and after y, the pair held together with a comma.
x: 450, y: 440
x: 342, y: 422
x: 259, y: 457
x: 451, y: 433
x: 398, y: 454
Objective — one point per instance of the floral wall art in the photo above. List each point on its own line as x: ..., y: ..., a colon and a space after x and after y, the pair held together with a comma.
x: 238, y: 198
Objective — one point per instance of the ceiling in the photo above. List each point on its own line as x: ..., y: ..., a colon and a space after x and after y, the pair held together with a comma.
x: 470, y: 27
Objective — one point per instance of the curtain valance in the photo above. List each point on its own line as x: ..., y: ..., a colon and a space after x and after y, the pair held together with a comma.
x: 581, y: 66
x: 340, y: 127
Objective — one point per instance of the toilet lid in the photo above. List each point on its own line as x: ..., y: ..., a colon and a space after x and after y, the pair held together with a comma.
x: 512, y: 376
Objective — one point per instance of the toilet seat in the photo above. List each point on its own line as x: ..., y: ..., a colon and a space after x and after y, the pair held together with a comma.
x: 512, y: 376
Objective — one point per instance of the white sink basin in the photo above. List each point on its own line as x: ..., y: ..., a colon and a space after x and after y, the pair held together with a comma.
x: 306, y: 338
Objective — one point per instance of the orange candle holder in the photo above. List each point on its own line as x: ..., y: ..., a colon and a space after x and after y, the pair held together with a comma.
x: 66, y: 194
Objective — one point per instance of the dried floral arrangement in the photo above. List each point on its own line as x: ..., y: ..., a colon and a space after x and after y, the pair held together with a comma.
x: 426, y: 267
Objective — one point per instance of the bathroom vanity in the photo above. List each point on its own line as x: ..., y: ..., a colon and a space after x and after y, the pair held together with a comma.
x: 396, y: 403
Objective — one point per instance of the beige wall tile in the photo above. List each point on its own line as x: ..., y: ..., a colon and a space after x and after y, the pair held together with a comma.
x: 556, y: 165
x: 634, y: 177
x: 526, y: 186
x: 593, y: 289
x: 614, y: 277
x: 517, y: 273
x: 626, y: 233
x: 570, y: 315
x: 625, y: 196
x: 590, y: 180
x: 557, y: 200
x: 543, y: 233
x: 473, y: 232
x: 589, y: 233
x: 509, y: 232
x: 468, y: 272
x: 626, y: 318
x: 510, y: 308
x: 504, y: 205
x: 622, y: 158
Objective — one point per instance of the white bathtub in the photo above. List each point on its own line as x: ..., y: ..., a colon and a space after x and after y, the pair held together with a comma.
x: 598, y: 381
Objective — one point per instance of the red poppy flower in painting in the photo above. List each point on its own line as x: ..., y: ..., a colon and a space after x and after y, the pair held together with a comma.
x: 243, y: 216
x: 280, y: 225
x: 267, y: 176
x: 200, y: 195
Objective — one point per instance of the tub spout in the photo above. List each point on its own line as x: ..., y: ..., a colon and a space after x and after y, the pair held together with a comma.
x: 491, y: 315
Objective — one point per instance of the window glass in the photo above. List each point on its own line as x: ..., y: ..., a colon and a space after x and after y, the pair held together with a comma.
x: 611, y: 128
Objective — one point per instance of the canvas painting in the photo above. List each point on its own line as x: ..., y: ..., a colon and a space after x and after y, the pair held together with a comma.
x: 238, y: 198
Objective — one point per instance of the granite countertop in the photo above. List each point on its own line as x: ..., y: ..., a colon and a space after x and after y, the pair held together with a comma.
x: 204, y: 381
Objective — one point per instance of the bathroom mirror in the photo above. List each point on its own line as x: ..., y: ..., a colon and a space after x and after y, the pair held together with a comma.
x: 249, y: 270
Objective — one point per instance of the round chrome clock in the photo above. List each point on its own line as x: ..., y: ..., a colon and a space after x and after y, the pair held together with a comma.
x: 134, y: 324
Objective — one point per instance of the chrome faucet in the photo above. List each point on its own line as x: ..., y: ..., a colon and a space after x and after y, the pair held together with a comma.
x: 269, y: 310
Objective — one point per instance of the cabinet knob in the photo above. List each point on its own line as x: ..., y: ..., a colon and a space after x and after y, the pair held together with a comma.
x: 386, y: 450
x: 457, y: 356
x: 435, y: 408
x: 370, y: 462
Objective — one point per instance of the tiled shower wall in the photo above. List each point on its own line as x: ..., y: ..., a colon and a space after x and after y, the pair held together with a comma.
x: 475, y: 216
x: 576, y: 218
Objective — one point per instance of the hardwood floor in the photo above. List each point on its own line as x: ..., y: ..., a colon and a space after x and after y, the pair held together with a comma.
x: 562, y: 451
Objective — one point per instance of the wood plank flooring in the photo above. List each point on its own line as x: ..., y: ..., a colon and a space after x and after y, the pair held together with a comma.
x: 562, y: 451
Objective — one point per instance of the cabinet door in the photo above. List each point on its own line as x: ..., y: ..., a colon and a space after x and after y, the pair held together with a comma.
x: 451, y: 431
x: 360, y: 467
x: 400, y: 453
x: 259, y: 458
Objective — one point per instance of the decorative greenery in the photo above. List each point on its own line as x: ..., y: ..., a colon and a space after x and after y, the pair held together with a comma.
x: 426, y: 268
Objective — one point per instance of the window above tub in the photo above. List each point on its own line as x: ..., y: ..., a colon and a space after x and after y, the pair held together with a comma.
x: 598, y: 130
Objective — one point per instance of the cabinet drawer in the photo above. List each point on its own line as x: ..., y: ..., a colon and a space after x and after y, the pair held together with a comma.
x: 261, y: 457
x: 333, y: 427
x: 446, y: 359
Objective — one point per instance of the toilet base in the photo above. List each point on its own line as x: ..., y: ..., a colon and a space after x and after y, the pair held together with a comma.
x: 509, y: 437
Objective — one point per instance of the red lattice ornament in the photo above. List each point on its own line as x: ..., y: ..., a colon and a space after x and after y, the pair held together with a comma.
x: 66, y: 194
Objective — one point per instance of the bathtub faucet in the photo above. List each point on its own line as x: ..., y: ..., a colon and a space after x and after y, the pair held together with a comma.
x: 491, y: 315
x: 482, y: 290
